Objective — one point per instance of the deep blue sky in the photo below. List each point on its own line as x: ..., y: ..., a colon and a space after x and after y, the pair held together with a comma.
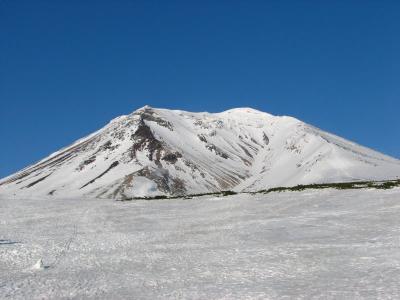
x: 68, y: 67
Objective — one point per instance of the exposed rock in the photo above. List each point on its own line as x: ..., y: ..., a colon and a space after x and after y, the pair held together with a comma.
x: 172, y: 157
x: 55, y: 160
x: 254, y: 141
x: 144, y: 139
x: 113, y: 165
x: 163, y: 180
x: 149, y: 115
x: 265, y: 138
x: 217, y: 151
x: 245, y: 151
x: 86, y: 162
x: 37, y: 181
x: 119, y: 134
x: 108, y: 146
x: 183, y: 152
x: 202, y: 138
x: 201, y: 124
x: 219, y: 124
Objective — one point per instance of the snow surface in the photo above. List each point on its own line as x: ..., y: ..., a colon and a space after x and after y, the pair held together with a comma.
x: 317, y: 244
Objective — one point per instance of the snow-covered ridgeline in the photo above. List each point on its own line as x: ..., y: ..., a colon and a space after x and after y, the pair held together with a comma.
x: 160, y: 151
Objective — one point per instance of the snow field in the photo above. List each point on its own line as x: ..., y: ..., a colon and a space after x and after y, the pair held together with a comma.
x: 305, y: 245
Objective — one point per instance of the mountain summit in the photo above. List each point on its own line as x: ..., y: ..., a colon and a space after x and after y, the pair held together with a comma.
x: 159, y: 151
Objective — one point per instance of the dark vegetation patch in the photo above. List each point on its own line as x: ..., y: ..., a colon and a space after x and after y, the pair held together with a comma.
x: 188, y: 196
x: 340, y: 186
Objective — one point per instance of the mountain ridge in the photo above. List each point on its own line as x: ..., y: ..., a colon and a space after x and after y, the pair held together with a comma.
x: 154, y: 151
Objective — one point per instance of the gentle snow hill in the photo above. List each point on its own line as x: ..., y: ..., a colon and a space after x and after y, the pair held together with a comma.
x: 159, y: 151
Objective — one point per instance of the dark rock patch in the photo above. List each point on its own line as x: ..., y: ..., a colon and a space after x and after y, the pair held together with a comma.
x: 144, y: 139
x: 164, y: 181
x: 118, y: 135
x: 265, y: 139
x: 37, y: 181
x: 213, y: 133
x: 86, y: 162
x: 246, y: 162
x: 149, y: 115
x: 202, y: 138
x: 171, y: 157
x: 219, y: 124
x: 245, y: 151
x: 217, y: 151
x: 254, y: 141
x: 250, y: 146
x: 193, y: 167
x: 201, y: 124
x: 61, y: 157
x: 113, y: 165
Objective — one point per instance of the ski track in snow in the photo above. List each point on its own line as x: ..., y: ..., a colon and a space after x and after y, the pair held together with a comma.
x: 325, y: 244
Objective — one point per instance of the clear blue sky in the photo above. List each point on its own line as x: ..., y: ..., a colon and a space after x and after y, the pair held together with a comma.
x: 68, y: 67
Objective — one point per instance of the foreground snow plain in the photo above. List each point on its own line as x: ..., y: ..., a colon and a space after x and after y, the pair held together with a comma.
x: 326, y: 244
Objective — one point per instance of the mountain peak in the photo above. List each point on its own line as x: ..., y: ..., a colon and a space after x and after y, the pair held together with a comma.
x: 143, y: 108
x: 243, y: 110
x: 160, y: 151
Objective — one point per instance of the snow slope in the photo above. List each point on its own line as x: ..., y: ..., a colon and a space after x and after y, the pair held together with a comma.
x: 322, y: 244
x: 159, y: 151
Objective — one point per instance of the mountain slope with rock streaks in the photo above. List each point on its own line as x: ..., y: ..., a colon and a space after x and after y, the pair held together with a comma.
x: 159, y: 151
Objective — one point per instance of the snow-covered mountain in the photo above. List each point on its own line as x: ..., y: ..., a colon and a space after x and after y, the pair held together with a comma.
x: 159, y: 151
